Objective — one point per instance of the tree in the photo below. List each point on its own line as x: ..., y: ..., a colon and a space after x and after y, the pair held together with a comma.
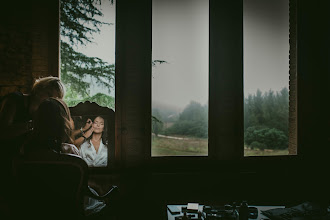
x: 266, y: 120
x: 193, y: 121
x: 264, y: 137
x: 157, y: 123
x: 79, y: 21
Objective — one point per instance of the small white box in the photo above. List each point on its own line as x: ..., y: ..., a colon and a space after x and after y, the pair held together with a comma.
x: 193, y: 206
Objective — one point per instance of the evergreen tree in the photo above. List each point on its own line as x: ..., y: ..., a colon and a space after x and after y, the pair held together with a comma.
x: 258, y: 108
x: 157, y: 123
x: 266, y: 120
x: 283, y: 111
x: 79, y: 21
x: 193, y: 121
x: 269, y: 108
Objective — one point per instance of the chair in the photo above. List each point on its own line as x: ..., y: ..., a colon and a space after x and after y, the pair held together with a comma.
x: 51, y: 185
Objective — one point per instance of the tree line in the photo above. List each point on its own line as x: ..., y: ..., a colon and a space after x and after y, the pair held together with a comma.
x: 265, y: 115
x: 192, y: 121
x: 266, y: 120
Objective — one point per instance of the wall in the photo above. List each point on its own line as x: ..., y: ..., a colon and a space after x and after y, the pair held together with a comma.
x: 29, y: 43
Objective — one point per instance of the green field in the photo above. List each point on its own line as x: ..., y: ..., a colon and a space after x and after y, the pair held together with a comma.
x: 172, y: 147
x: 197, y: 147
x: 249, y: 152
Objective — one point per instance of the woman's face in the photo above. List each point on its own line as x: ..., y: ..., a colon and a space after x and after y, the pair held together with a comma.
x: 98, y: 125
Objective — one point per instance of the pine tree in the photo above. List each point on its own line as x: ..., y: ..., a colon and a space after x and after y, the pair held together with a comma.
x: 79, y: 21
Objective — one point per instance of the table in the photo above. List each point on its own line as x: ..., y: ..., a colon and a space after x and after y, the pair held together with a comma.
x: 171, y: 216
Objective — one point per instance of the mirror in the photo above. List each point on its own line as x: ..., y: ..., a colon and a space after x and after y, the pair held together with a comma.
x: 94, y: 133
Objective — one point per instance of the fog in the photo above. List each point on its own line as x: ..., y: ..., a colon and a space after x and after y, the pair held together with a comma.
x: 180, y: 37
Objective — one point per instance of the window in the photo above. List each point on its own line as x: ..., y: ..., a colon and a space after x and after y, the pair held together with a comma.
x: 233, y: 53
x: 180, y: 32
x: 88, y: 74
x: 266, y: 77
x: 88, y: 51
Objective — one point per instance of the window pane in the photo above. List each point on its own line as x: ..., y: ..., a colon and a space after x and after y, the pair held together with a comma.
x: 266, y: 77
x: 88, y: 72
x: 180, y: 32
x: 88, y: 57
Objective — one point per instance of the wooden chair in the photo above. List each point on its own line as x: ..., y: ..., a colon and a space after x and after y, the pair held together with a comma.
x: 51, y: 185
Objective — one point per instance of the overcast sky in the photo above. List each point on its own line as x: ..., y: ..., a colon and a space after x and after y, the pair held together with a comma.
x: 180, y: 37
x: 104, y: 43
x: 266, y: 45
x: 104, y: 46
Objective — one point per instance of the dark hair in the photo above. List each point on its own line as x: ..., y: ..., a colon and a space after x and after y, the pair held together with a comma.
x: 104, y: 136
x: 52, y: 124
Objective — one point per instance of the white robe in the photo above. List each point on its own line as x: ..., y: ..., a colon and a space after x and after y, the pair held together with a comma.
x: 93, y: 158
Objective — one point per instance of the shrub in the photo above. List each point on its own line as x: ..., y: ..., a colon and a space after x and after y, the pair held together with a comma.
x: 264, y: 137
x: 256, y: 144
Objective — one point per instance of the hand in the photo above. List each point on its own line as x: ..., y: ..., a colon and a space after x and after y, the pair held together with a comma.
x: 87, y: 125
x: 88, y: 133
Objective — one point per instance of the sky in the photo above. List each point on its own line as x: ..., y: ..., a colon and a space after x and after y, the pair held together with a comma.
x: 103, y: 45
x: 266, y: 45
x: 180, y: 37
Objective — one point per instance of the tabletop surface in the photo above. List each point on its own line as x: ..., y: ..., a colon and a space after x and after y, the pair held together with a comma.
x: 171, y: 216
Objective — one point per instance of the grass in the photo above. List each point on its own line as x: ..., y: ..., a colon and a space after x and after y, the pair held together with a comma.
x: 198, y: 147
x: 257, y: 152
x: 172, y: 147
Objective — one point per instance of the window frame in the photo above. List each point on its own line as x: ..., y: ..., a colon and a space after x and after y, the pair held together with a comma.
x: 226, y: 117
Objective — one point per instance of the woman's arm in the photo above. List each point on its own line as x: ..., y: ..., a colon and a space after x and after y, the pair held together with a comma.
x: 81, y: 131
x: 82, y: 139
x: 78, y: 141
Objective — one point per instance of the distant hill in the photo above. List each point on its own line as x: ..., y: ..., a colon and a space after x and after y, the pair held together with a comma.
x: 164, y: 112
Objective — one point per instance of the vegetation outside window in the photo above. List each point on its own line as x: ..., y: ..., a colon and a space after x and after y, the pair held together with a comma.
x: 180, y: 78
x: 249, y: 99
x: 88, y: 73
x: 87, y: 51
x: 266, y: 77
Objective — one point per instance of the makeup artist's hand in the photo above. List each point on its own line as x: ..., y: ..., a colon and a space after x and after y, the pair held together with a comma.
x: 87, y: 125
x: 88, y: 133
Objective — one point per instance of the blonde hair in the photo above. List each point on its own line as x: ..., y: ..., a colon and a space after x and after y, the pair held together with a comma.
x: 48, y: 85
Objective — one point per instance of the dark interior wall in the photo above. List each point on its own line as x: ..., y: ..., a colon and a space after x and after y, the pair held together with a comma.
x: 313, y: 79
x: 29, y: 43
x: 133, y: 82
x: 313, y: 91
